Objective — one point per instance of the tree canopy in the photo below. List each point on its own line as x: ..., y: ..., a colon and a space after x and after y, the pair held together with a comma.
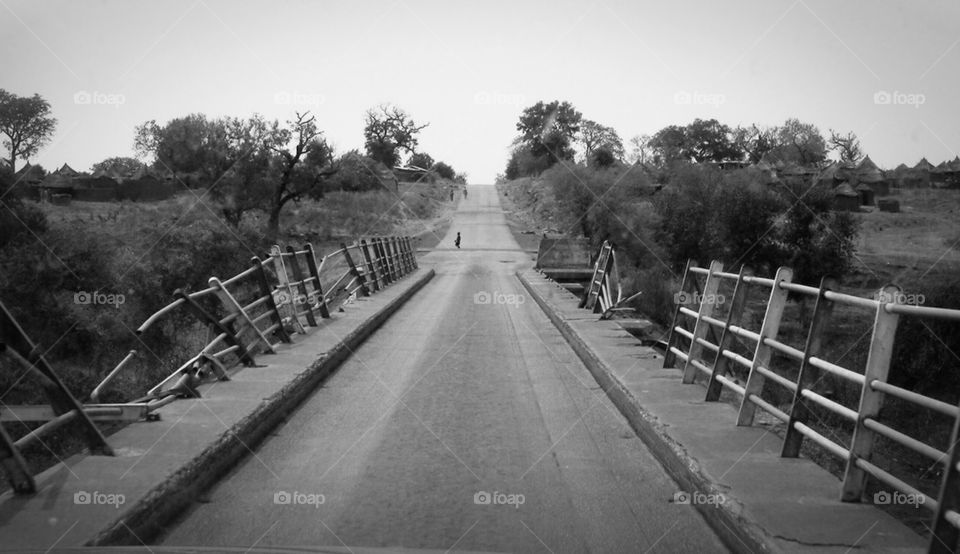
x: 26, y: 124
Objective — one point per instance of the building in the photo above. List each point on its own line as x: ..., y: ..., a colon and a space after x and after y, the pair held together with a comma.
x: 846, y: 199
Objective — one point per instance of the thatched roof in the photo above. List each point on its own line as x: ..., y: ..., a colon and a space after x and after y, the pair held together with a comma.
x: 844, y: 189
x: 867, y: 164
x: 923, y: 165
x: 870, y: 176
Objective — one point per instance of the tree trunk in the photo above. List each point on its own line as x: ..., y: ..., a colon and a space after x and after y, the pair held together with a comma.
x: 273, y: 223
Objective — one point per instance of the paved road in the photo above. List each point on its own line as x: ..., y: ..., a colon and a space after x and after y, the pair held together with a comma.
x: 466, y: 390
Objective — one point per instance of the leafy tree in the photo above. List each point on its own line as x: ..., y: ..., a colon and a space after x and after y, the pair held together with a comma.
x: 421, y: 159
x: 754, y: 142
x: 594, y: 137
x: 303, y: 159
x: 120, y: 164
x: 388, y: 132
x: 669, y: 145
x: 640, y: 149
x: 26, y: 124
x: 523, y: 163
x: 547, y: 130
x: 444, y: 170
x: 356, y: 173
x: 799, y: 143
x: 708, y: 140
x: 847, y: 146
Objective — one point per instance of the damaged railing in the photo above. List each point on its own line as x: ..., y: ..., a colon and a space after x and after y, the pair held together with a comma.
x: 247, y: 314
x: 710, y: 350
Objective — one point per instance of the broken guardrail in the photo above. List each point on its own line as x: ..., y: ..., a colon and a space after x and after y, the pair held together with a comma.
x: 275, y: 297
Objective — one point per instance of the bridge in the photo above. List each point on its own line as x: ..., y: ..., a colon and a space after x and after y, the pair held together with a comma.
x: 470, y: 405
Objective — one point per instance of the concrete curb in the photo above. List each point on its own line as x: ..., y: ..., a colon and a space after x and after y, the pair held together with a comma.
x: 169, y: 499
x: 727, y: 520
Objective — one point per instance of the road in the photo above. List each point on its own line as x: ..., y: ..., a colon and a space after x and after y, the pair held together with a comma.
x: 467, y: 390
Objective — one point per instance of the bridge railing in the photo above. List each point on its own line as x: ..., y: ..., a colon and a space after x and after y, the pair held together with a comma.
x: 710, y: 346
x: 280, y: 294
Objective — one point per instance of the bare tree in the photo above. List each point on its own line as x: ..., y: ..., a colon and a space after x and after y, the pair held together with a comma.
x: 847, y: 146
x: 389, y: 131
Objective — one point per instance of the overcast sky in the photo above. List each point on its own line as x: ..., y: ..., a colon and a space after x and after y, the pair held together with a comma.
x: 889, y: 71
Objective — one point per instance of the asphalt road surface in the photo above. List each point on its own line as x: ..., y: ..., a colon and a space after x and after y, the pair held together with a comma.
x: 466, y: 423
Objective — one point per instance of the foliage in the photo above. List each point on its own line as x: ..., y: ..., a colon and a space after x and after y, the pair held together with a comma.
x: 388, y: 131
x: 547, y: 130
x: 597, y: 138
x: 421, y: 160
x: 444, y: 171
x: 355, y: 173
x: 798, y: 142
x: 120, y: 164
x: 26, y: 123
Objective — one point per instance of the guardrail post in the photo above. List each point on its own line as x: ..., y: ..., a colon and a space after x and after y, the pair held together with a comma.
x: 734, y: 317
x: 945, y: 533
x: 230, y: 336
x: 368, y: 263
x: 397, y: 257
x: 413, y: 254
x: 58, y: 395
x: 708, y: 302
x: 301, y: 286
x: 669, y: 358
x: 404, y: 255
x: 878, y: 367
x: 230, y: 305
x: 283, y: 283
x: 763, y: 353
x: 809, y: 375
x: 377, y: 244
x: 355, y: 271
x: 388, y: 256
x: 14, y: 466
x: 317, y: 287
x: 265, y: 290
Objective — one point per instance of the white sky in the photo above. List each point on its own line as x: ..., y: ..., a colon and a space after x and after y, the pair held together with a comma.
x: 469, y: 68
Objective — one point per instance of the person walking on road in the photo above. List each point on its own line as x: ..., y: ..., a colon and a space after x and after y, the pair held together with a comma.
x: 457, y: 240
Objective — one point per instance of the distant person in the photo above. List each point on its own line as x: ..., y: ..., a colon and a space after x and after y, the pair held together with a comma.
x: 464, y: 192
x: 457, y: 241
x: 451, y: 195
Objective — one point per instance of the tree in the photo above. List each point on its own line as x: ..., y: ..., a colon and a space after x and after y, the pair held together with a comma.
x: 120, y: 164
x: 207, y: 148
x: 754, y: 142
x: 26, y: 124
x: 640, y: 149
x: 444, y: 170
x: 847, y: 146
x: 548, y: 130
x: 304, y: 160
x: 594, y: 137
x: 669, y: 145
x: 388, y: 132
x: 421, y: 160
x: 708, y: 140
x: 800, y: 143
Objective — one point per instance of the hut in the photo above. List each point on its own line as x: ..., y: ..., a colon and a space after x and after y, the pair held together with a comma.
x: 870, y: 174
x: 866, y: 194
x: 846, y: 199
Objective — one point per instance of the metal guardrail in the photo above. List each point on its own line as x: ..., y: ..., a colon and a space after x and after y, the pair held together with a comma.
x: 712, y: 356
x: 603, y: 291
x: 278, y: 295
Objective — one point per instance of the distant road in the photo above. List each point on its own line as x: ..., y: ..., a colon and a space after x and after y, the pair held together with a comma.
x: 467, y: 390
